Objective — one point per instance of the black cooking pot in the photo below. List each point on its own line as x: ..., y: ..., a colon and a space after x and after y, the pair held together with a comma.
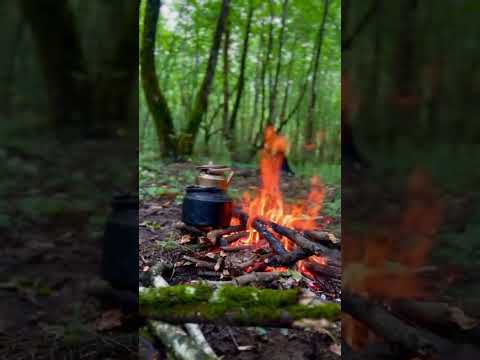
x: 206, y: 207
x: 120, y: 244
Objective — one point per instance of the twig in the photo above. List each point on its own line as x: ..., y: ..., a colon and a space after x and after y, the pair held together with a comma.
x: 235, y: 237
x: 215, y: 235
x: 200, y: 263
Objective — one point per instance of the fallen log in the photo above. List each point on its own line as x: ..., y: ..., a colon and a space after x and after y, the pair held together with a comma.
x: 275, y: 243
x: 229, y: 305
x: 300, y: 240
x: 395, y: 331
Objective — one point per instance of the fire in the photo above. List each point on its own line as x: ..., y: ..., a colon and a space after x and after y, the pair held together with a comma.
x: 268, y: 202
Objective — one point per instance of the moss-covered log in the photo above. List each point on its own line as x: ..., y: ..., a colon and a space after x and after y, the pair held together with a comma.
x: 229, y: 305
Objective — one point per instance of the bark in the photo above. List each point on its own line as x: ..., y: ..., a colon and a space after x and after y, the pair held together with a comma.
x: 309, y: 127
x: 62, y: 60
x: 240, y: 84
x: 156, y: 102
x: 187, y: 138
x: 273, y: 98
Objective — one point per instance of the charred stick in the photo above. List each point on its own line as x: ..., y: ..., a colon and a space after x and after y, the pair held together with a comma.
x: 322, y: 237
x: 267, y: 235
x: 237, y: 248
x: 300, y: 240
x: 394, y: 330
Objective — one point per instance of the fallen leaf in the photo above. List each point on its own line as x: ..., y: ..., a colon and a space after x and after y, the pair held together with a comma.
x: 109, y: 320
x: 185, y: 239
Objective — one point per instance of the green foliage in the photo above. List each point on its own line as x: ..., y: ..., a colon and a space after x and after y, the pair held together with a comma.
x: 183, y: 42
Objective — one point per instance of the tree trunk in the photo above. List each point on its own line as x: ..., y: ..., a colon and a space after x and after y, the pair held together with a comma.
x: 230, y: 138
x: 226, y: 45
x: 187, y: 138
x: 309, y: 136
x: 273, y: 97
x: 155, y: 99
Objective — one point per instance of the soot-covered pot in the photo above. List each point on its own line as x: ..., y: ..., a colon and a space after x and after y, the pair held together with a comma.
x: 206, y: 207
x: 120, y: 244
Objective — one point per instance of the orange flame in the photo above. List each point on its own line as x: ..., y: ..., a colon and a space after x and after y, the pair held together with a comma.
x: 269, y: 204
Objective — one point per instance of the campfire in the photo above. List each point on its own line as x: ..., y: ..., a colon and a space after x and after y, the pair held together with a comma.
x: 270, y: 235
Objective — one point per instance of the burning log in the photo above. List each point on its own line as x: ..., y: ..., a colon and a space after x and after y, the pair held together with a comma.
x: 289, y: 258
x: 300, y: 240
x: 328, y: 270
x: 215, y: 235
x: 322, y: 237
x: 229, y: 305
x: 392, y: 329
x: 276, y: 245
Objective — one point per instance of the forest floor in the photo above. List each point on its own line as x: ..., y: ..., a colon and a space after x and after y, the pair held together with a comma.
x: 161, y: 192
x: 53, y: 207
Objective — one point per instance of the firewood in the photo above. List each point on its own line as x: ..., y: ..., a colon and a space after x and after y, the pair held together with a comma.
x: 323, y: 237
x: 229, y: 305
x: 289, y: 258
x: 235, y: 237
x: 326, y: 270
x: 300, y: 240
x: 267, y: 235
x: 237, y: 248
x: 215, y: 235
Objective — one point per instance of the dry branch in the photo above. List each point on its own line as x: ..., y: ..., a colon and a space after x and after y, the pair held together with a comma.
x: 234, y: 237
x: 288, y: 259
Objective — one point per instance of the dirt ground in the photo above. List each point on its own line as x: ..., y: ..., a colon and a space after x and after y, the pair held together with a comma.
x: 159, y: 242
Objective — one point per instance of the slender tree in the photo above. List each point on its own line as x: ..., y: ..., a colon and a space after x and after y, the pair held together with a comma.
x: 155, y: 99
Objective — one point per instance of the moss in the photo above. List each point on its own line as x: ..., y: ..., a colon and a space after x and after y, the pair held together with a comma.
x: 323, y: 311
x: 175, y: 295
x: 250, y: 296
